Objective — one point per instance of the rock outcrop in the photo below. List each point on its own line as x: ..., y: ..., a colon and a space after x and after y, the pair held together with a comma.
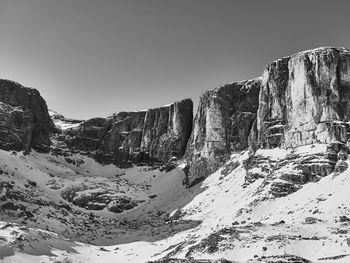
x: 141, y: 136
x: 293, y: 168
x: 299, y: 100
x: 25, y: 122
x: 305, y: 98
x: 223, y: 122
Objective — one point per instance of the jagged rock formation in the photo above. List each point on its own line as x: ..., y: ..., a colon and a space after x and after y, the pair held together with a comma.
x: 304, y: 99
x: 223, y: 122
x: 25, y: 122
x: 140, y: 136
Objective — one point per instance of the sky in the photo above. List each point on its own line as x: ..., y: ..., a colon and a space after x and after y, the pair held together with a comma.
x: 93, y: 58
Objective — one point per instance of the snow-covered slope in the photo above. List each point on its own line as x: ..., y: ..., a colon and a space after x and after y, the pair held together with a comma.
x: 62, y: 122
x: 240, y: 220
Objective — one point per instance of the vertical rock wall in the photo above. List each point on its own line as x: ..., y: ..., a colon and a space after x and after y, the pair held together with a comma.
x: 157, y: 134
x: 223, y: 122
x: 166, y: 130
x: 26, y: 123
x: 304, y: 99
x: 272, y: 109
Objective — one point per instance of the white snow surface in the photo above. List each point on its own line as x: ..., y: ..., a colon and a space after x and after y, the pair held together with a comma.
x: 222, y: 204
x: 61, y: 122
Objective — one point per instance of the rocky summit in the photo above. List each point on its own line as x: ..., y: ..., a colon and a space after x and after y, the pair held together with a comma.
x: 259, y: 174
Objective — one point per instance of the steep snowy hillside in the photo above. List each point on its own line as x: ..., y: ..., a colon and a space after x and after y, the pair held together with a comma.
x: 86, y: 201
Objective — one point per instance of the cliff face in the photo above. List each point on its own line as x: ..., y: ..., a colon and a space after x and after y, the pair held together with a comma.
x: 223, y: 122
x: 304, y: 99
x: 166, y: 130
x: 25, y: 122
x: 299, y: 100
x: 156, y: 134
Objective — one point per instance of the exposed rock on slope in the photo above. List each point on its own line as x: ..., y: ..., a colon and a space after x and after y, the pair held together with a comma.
x: 155, y: 134
x: 25, y: 120
x: 223, y: 122
x: 304, y: 99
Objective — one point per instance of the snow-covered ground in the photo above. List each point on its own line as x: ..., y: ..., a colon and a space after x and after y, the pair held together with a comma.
x: 238, y: 221
x: 61, y: 122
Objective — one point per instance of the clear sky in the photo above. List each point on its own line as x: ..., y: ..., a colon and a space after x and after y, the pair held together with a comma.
x: 92, y: 58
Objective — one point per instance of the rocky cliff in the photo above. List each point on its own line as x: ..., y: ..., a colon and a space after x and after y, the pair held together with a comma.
x: 141, y: 136
x: 304, y: 99
x: 25, y: 122
x: 223, y: 122
x: 166, y: 130
x: 299, y: 100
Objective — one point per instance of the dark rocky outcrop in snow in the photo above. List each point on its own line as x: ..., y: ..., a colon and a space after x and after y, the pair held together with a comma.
x: 223, y: 122
x: 141, y: 136
x: 25, y: 122
x: 289, y: 174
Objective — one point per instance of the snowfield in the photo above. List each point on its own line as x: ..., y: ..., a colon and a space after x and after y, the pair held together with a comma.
x: 238, y: 220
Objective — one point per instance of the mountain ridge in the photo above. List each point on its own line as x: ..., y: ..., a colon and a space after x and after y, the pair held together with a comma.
x: 249, y: 113
x: 260, y: 174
